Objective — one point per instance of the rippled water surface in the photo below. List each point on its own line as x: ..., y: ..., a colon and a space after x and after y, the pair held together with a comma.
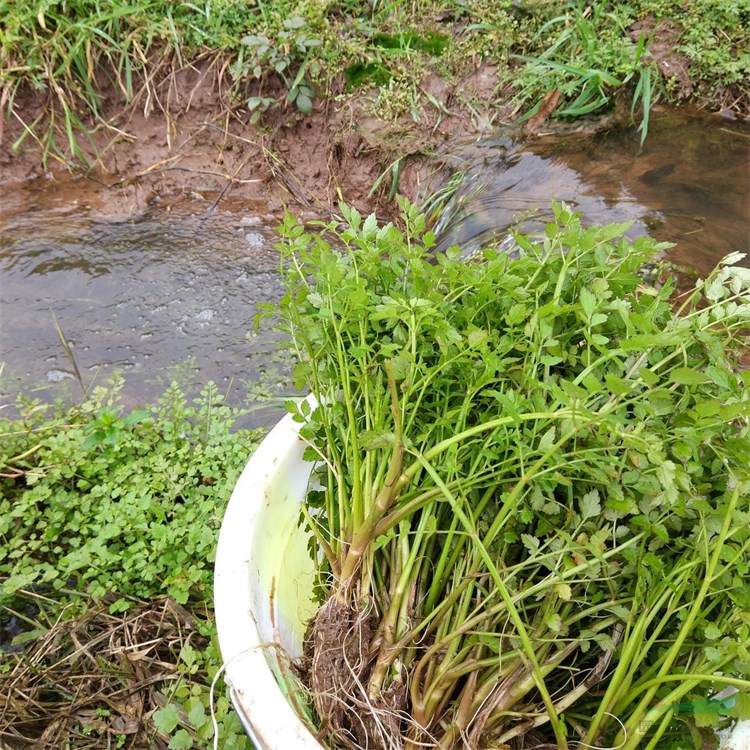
x: 166, y: 294
x: 159, y: 296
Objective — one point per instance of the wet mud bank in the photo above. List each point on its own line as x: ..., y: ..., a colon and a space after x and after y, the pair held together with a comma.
x: 200, y: 147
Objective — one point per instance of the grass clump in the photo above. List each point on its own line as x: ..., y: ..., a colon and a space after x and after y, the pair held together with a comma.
x: 594, y: 52
x: 588, y: 58
x: 86, y: 56
x: 108, y: 528
x: 534, y: 488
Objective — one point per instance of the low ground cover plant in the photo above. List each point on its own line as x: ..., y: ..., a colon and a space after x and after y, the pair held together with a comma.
x: 108, y: 527
x: 532, y: 522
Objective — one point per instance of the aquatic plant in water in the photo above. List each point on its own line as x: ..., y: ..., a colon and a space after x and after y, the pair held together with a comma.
x: 534, y: 487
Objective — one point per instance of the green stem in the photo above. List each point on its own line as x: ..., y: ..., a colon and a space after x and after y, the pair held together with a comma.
x: 363, y: 535
x: 523, y: 635
x: 687, y: 625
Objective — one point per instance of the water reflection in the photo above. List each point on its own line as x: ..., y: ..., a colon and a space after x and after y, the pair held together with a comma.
x: 689, y: 184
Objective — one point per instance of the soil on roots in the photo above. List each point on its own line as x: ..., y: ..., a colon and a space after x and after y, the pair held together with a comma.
x: 337, y: 667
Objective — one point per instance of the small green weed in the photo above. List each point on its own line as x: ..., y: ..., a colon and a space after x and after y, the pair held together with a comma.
x: 279, y: 55
x: 99, y: 502
x: 106, y: 502
x: 186, y: 717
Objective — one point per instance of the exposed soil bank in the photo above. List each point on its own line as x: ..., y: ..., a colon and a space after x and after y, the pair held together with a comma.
x: 198, y: 148
x: 184, y: 140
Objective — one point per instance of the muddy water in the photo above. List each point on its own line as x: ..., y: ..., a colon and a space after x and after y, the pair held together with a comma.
x: 688, y: 184
x: 159, y: 297
x: 172, y: 294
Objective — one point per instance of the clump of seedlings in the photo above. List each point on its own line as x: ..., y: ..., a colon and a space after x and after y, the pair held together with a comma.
x: 533, y: 489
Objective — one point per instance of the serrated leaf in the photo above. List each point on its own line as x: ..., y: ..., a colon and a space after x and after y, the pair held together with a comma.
x: 197, y: 715
x: 706, y: 713
x: 588, y: 302
x: 711, y: 631
x: 475, y: 338
x: 181, y: 740
x: 649, y: 377
x: 732, y: 258
x: 590, y: 505
x: 550, y: 360
x: 617, y: 385
x: 518, y: 313
x: 548, y: 440
x: 729, y: 412
x: 383, y: 539
x: 598, y: 318
x: 611, y: 231
x: 666, y: 474
x: 688, y: 376
x: 554, y: 622
x: 371, y: 440
x: 537, y: 499
x: 530, y: 542
x: 620, y: 611
x: 742, y: 705
x: 370, y: 226
x: 19, y: 581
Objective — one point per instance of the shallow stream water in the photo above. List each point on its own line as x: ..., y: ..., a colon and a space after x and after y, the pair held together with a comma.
x: 159, y: 297
x: 689, y: 184
x: 172, y: 294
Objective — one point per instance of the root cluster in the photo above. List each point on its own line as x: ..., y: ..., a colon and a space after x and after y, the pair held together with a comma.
x: 339, y: 661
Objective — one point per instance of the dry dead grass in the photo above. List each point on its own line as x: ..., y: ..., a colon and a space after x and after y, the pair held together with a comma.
x: 95, y: 681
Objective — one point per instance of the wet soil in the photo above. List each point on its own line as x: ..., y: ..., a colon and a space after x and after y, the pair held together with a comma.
x: 674, y: 67
x: 183, y: 139
x: 198, y: 146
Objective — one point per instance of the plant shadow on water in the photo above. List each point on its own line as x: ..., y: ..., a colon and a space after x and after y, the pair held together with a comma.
x: 687, y: 185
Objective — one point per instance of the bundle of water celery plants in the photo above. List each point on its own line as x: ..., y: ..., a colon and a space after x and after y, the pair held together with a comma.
x: 533, y: 501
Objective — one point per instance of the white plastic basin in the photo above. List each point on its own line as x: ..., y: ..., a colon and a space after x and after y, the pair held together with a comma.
x: 262, y: 589
x: 262, y: 593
